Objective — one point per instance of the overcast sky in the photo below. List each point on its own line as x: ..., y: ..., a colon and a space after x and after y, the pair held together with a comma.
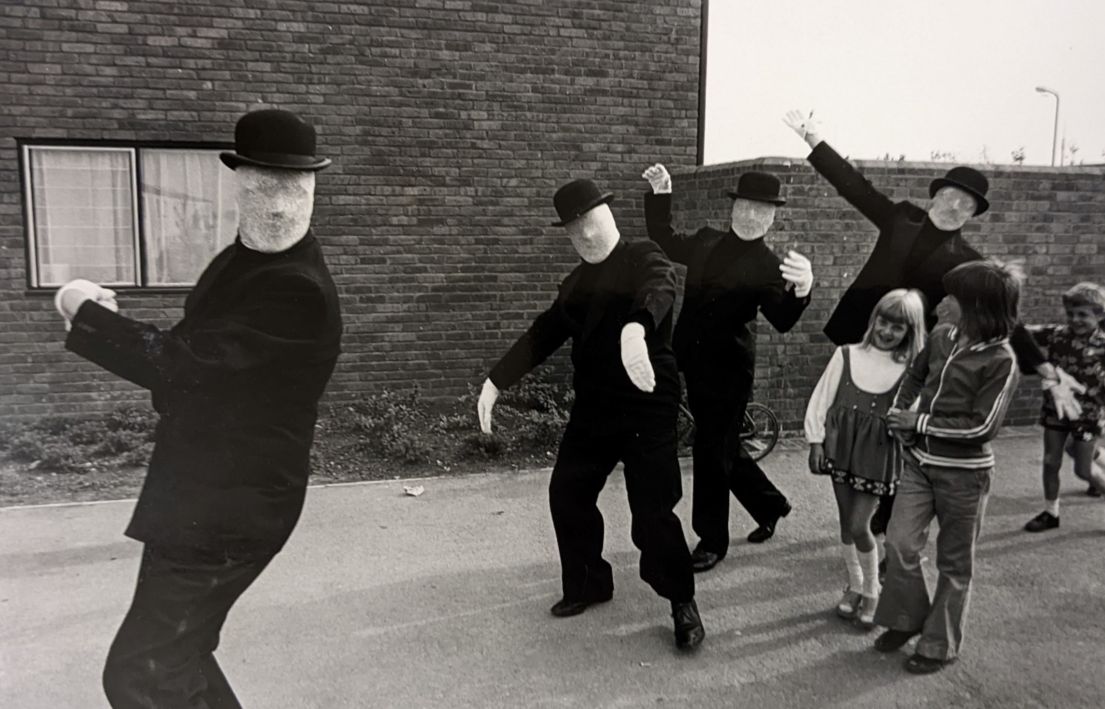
x: 906, y: 76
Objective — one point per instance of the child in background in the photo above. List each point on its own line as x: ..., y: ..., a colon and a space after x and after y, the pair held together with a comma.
x: 849, y: 440
x: 1079, y: 349
x: 962, y: 383
x: 1098, y: 467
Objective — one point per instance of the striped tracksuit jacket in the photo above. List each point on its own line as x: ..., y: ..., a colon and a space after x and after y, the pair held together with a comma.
x: 963, y: 393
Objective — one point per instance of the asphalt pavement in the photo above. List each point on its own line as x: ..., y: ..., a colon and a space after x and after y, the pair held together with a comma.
x: 382, y: 599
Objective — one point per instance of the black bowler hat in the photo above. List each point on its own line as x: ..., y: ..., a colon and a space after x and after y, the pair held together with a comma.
x: 276, y: 139
x: 759, y: 187
x: 576, y: 198
x: 967, y: 179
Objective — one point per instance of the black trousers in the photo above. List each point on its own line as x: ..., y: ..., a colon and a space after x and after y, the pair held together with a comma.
x: 588, y: 453
x: 721, y: 466
x: 162, y: 655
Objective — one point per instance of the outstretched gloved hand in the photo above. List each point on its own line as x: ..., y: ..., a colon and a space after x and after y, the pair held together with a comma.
x: 798, y: 272
x: 1063, y: 394
x: 635, y: 357
x: 71, y: 296
x: 486, y: 402
x: 658, y: 178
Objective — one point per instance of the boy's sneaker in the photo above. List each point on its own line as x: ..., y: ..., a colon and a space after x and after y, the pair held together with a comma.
x: 849, y: 604
x: 1042, y: 522
x: 1092, y: 491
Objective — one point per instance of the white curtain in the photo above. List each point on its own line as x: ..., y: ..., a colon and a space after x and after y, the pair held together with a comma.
x: 83, y: 212
x: 190, y: 212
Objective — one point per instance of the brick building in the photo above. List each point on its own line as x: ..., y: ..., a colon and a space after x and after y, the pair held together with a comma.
x: 450, y: 123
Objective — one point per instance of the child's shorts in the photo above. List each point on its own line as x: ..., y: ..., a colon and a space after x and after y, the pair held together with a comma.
x: 1081, y: 429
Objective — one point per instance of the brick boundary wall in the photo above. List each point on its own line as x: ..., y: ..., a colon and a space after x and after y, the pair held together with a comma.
x: 450, y: 122
x: 1051, y: 218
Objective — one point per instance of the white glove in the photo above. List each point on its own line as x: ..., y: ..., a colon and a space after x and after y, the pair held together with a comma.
x: 488, y: 396
x: 658, y: 177
x: 1062, y: 393
x: 804, y: 125
x: 798, y: 272
x: 71, y: 296
x: 635, y: 357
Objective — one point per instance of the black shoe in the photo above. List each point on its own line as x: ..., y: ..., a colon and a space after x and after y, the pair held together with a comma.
x: 1042, y: 522
x: 761, y: 534
x: 1092, y: 491
x: 703, y: 560
x: 689, y: 632
x: 892, y: 640
x: 567, y: 607
x: 921, y: 665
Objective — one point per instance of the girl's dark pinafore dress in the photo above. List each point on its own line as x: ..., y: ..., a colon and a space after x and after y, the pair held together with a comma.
x: 858, y: 445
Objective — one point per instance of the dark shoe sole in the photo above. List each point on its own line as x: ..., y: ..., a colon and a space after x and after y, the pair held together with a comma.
x: 1037, y: 525
x: 756, y: 536
x: 893, y: 643
x: 921, y: 665
x: 700, y: 566
x: 567, y: 610
x: 692, y: 641
x: 760, y: 535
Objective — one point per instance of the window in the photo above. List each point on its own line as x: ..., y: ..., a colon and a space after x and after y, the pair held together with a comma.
x: 125, y: 215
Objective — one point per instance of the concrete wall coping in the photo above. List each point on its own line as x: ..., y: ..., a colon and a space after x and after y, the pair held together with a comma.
x: 777, y: 161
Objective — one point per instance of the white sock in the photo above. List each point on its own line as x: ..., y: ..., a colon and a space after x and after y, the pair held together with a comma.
x: 851, y: 562
x: 869, y: 562
x: 1052, y: 506
x: 880, y: 545
x: 1097, y: 476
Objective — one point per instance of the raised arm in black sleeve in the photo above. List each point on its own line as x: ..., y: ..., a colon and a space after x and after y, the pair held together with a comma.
x: 678, y: 247
x: 852, y: 185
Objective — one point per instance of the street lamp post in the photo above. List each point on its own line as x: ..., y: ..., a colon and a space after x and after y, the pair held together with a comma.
x: 1055, y: 131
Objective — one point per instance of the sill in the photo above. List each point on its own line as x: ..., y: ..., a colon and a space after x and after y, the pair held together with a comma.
x: 49, y: 291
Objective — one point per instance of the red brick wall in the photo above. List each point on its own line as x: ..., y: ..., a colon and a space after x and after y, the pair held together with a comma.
x: 450, y: 122
x: 1053, y: 219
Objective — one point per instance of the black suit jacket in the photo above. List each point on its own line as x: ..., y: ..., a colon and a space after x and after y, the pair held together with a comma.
x: 236, y: 383
x: 635, y: 283
x: 897, y: 260
x: 728, y: 281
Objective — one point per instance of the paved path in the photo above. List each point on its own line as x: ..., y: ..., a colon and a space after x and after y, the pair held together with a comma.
x: 385, y: 600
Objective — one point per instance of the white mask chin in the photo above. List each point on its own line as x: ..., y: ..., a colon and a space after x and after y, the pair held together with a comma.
x: 594, y: 234
x: 274, y: 206
x: 750, y: 219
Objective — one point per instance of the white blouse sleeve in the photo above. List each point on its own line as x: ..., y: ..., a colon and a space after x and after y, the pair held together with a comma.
x: 822, y: 398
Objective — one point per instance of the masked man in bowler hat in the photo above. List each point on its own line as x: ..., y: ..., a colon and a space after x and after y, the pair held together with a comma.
x: 915, y: 247
x: 616, y: 308
x: 236, y: 383
x: 730, y: 277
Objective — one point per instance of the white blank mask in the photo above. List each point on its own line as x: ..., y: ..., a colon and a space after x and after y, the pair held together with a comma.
x: 594, y: 234
x: 274, y: 206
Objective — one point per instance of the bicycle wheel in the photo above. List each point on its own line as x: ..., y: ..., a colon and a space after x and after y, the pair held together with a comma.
x: 760, y: 431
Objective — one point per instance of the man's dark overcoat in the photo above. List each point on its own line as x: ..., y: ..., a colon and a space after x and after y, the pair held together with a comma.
x: 236, y: 383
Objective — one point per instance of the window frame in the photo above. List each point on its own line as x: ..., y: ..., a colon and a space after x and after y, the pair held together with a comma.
x: 135, y: 148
